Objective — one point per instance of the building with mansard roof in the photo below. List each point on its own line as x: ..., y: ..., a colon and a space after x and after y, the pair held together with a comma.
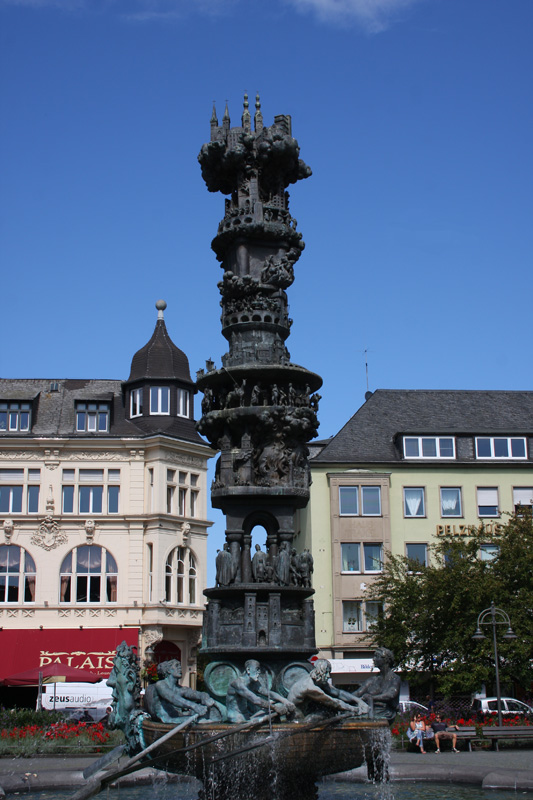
x: 406, y: 468
x: 103, y: 515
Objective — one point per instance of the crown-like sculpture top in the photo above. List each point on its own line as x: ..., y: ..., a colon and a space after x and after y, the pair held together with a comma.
x: 266, y: 158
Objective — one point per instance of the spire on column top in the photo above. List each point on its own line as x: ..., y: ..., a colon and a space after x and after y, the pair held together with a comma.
x: 225, y: 118
x: 258, y: 117
x: 246, y: 118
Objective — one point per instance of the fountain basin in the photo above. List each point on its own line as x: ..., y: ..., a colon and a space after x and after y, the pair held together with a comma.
x: 281, y: 760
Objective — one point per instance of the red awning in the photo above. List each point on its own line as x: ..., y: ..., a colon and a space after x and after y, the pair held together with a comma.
x: 91, y: 649
x: 51, y: 673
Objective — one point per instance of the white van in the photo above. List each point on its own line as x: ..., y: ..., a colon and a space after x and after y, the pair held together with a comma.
x: 83, y: 700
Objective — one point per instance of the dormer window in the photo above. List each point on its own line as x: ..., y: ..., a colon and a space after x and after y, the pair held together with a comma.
x: 92, y: 417
x: 136, y: 403
x: 183, y: 403
x: 15, y: 416
x: 159, y: 400
x: 428, y: 447
x: 504, y: 447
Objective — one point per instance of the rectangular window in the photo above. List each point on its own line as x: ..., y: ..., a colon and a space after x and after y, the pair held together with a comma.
x: 372, y: 557
x: 194, y: 480
x: 68, y: 499
x: 10, y: 499
x: 183, y: 403
x: 501, y: 447
x: 414, y: 502
x: 429, y: 447
x: 159, y: 400
x: 194, y: 503
x: 350, y: 560
x: 92, y: 417
x: 112, y: 499
x: 417, y: 553
x: 15, y: 416
x: 90, y: 499
x: 487, y: 502
x: 150, y: 572
x: 450, y: 502
x: 136, y: 403
x: 373, y: 608
x: 151, y: 490
x: 352, y: 618
x: 488, y: 552
x: 182, y: 477
x: 348, y: 500
x: 371, y: 501
x: 366, y: 498
x: 170, y: 498
x: 33, y: 499
x: 522, y: 499
x: 182, y: 502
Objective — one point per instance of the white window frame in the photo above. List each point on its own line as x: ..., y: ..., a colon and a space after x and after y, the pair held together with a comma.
x: 15, y: 416
x: 437, y: 440
x: 92, y: 410
x: 421, y: 505
x: 73, y: 480
x: 357, y: 547
x: 155, y: 408
x: 456, y: 489
x: 183, y: 403
x: 136, y: 403
x: 352, y: 622
x: 509, y: 440
x: 102, y: 577
x: 181, y: 576
x: 487, y: 493
x: 371, y: 619
x: 20, y: 578
x: 358, y: 492
x: 522, y: 497
x: 363, y: 562
x: 10, y: 490
x: 488, y: 552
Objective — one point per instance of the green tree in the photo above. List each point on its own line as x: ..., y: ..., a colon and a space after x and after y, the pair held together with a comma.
x: 430, y: 613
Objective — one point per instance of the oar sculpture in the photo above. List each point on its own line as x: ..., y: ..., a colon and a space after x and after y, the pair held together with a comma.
x: 95, y: 786
x: 134, y: 764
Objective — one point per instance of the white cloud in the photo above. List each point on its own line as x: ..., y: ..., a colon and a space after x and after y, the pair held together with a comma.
x: 372, y: 15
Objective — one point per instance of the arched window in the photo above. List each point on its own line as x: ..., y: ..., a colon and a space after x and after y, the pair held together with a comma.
x: 17, y: 575
x: 180, y: 577
x: 89, y: 575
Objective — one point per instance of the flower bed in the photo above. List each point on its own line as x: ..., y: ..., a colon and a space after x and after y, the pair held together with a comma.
x: 58, y: 737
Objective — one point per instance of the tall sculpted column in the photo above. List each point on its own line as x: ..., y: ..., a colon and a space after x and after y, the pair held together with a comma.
x: 258, y: 409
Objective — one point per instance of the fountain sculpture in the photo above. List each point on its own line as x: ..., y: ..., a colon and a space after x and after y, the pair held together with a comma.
x: 270, y: 722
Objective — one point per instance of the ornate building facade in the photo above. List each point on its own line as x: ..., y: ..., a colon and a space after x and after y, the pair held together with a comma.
x: 103, y: 515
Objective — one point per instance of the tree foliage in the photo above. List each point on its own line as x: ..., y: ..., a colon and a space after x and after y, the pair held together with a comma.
x: 430, y: 613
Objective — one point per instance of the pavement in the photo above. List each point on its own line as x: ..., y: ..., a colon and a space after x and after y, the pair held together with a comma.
x: 510, y: 769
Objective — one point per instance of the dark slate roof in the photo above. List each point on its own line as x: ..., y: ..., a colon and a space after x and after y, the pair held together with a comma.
x: 160, y: 359
x: 374, y: 432
x: 53, y: 412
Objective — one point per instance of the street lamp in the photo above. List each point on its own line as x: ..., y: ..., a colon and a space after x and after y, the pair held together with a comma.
x: 495, y: 616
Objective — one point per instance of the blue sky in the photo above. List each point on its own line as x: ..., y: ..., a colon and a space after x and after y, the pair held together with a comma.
x: 416, y: 117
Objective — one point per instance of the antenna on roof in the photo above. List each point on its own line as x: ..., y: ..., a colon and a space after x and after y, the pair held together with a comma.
x: 368, y: 393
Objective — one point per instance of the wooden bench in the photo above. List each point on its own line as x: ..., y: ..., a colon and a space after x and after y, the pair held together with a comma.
x: 465, y: 732
x: 496, y: 732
